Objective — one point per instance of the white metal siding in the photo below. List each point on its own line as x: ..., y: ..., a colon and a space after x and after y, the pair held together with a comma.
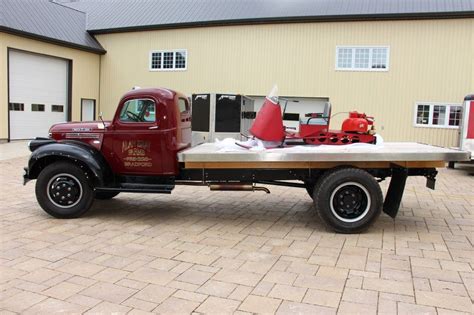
x: 36, y: 79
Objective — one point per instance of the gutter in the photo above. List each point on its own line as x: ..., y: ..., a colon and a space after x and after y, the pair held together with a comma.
x: 100, y: 51
x: 292, y: 19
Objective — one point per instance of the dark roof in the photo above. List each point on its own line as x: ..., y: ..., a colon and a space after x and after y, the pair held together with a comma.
x: 49, y: 22
x: 123, y: 15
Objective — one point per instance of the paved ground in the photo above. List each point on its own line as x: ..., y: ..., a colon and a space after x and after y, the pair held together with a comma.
x: 196, y: 251
x: 13, y: 149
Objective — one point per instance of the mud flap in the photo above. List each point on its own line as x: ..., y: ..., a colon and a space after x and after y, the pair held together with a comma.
x: 394, y: 195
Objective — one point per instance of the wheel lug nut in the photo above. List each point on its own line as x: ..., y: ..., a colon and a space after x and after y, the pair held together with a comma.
x: 69, y: 195
x: 69, y: 189
x: 62, y: 198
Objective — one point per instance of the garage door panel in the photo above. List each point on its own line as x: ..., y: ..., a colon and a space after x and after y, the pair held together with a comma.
x: 36, y: 79
x: 27, y: 120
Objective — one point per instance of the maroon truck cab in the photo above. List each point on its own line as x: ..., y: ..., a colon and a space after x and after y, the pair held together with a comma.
x: 148, y: 129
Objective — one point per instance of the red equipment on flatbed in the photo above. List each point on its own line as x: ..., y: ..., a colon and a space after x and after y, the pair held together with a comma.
x: 313, y: 128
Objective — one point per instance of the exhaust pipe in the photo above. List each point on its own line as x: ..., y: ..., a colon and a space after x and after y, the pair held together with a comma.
x: 237, y: 187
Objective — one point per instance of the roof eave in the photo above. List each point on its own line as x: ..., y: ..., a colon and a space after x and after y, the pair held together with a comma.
x: 291, y: 19
x: 50, y: 40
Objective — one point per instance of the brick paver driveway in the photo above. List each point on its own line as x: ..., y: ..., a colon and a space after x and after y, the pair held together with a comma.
x: 223, y: 252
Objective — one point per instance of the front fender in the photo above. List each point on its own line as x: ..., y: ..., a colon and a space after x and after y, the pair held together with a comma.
x: 75, y: 151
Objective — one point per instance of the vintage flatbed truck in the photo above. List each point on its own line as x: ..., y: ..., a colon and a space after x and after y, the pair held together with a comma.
x: 146, y: 149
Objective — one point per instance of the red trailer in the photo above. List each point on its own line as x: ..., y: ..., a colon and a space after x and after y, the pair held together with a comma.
x: 466, y: 137
x: 466, y: 129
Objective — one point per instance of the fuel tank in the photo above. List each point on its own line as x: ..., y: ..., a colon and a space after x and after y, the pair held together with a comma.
x: 356, y: 122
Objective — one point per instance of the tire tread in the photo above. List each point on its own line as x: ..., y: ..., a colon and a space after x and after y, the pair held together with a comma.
x: 64, y: 167
x: 334, y: 175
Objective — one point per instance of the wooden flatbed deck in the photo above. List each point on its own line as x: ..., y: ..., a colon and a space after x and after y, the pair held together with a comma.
x: 404, y: 154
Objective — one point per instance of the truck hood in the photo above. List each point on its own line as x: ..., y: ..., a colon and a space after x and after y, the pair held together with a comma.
x: 80, y: 126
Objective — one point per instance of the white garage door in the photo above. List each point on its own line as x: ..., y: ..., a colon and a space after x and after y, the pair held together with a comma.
x: 303, y: 106
x: 38, y: 88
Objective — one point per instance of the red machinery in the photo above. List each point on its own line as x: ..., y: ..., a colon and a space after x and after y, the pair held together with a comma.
x: 313, y: 128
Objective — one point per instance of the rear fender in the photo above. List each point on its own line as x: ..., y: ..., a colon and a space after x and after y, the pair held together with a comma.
x: 77, y: 152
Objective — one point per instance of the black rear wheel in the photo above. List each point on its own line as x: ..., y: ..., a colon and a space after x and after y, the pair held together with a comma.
x: 348, y: 200
x: 63, y: 190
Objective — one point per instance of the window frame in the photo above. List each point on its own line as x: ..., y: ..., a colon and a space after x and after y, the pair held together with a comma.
x: 120, y: 121
x: 353, y: 54
x: 56, y: 111
x: 174, y: 51
x: 11, y: 107
x: 39, y: 105
x: 186, y: 104
x: 446, y: 125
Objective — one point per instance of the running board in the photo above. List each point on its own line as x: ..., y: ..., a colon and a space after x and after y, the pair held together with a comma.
x: 139, y: 188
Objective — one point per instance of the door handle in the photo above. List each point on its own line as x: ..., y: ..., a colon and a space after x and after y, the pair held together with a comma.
x: 153, y: 127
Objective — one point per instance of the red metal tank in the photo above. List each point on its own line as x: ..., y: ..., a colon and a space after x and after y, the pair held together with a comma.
x: 356, y: 122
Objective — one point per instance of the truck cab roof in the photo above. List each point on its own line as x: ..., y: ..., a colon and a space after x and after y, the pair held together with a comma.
x: 159, y: 93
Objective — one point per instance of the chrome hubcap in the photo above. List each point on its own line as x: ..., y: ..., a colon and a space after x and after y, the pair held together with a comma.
x: 64, y: 190
x: 350, y: 202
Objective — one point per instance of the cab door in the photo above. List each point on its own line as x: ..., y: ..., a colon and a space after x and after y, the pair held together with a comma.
x: 137, y: 138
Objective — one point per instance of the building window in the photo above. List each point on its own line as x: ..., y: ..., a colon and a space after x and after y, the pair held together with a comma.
x: 155, y: 60
x: 362, y: 58
x: 57, y: 108
x: 168, y: 60
x: 172, y: 60
x: 37, y: 107
x: 17, y: 107
x: 438, y: 115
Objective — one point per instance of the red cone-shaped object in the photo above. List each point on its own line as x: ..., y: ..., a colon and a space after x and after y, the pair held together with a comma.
x: 268, y: 125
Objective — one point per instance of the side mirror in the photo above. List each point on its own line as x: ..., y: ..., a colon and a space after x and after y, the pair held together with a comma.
x: 102, y: 125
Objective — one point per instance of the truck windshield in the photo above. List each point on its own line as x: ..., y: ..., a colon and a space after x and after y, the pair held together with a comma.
x: 138, y: 110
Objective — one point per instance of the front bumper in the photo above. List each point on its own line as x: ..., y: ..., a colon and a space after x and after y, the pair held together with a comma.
x: 33, y: 145
x: 26, y: 176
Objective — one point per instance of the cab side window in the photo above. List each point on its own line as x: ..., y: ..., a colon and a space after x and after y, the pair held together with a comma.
x: 138, y: 110
x: 183, y: 105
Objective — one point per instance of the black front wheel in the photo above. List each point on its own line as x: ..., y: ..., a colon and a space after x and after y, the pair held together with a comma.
x: 348, y: 200
x: 63, y: 190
